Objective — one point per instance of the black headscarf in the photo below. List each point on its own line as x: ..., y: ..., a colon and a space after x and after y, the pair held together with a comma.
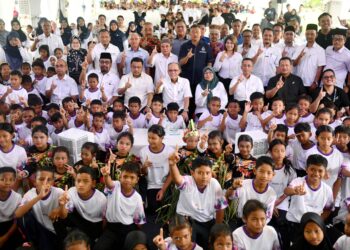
x: 85, y: 33
x: 22, y: 35
x: 67, y: 33
x: 302, y: 244
x: 13, y: 55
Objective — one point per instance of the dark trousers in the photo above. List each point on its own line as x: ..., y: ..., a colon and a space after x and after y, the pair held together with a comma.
x: 15, y: 239
x: 226, y: 82
x: 201, y: 231
x: 294, y: 231
x: 75, y: 221
x: 114, y: 236
x: 42, y: 238
x: 280, y: 223
x: 152, y: 203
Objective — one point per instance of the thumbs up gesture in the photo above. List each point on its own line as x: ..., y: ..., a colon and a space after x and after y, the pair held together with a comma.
x: 147, y: 163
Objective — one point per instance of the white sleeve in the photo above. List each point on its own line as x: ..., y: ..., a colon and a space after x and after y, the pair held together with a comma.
x: 218, y: 63
x: 123, y: 82
x: 187, y: 89
x: 223, y: 96
x: 200, y: 100
x: 48, y: 83
x: 25, y: 55
x: 321, y: 58
x: 154, y: 59
x: 150, y: 85
x: 74, y: 89
x: 2, y: 56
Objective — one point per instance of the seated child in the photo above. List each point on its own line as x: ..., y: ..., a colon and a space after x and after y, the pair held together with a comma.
x: 64, y: 174
x: 39, y: 78
x: 101, y: 134
x: 118, y: 105
x: 26, y: 68
x: 253, y: 120
x: 173, y: 120
x: 119, y: 124
x: 230, y: 121
x: 59, y: 122
x: 276, y: 115
x: 138, y: 119
x: 304, y: 103
x: 93, y: 91
x: 155, y: 113
x: 211, y: 119
x: 15, y: 93
x: 81, y: 120
x: 27, y: 84
x: 70, y: 106
x: 244, y: 161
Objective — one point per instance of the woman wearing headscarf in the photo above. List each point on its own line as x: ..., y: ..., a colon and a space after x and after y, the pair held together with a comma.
x: 13, y: 53
x: 132, y: 28
x: 83, y: 32
x: 16, y: 26
x: 75, y: 58
x: 210, y: 86
x: 118, y: 37
x: 66, y: 32
x: 312, y: 234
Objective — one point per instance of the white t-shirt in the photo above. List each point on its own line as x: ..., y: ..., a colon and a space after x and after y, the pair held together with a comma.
x: 315, y: 200
x: 201, y: 101
x: 211, y: 125
x: 267, y: 240
x: 72, y: 124
x: 139, y: 121
x: 171, y: 246
x: 102, y: 139
x: 15, y: 158
x: 176, y: 92
x: 113, y: 134
x: 200, y: 205
x: 299, y: 158
x: 93, y: 209
x: 15, y: 96
x: 178, y: 124
x: 247, y: 87
x: 9, y: 206
x: 154, y: 120
x: 248, y: 192
x: 92, y: 95
x: 230, y: 66
x: 160, y: 62
x: 232, y: 128
x: 253, y: 122
x: 124, y: 209
x: 113, y: 50
x: 44, y: 207
x: 343, y: 243
x: 160, y: 166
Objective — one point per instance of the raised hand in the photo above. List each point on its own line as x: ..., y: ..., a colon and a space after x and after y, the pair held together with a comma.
x: 45, y: 189
x: 147, y: 163
x: 238, y: 182
x: 300, y: 190
x: 228, y: 148
x: 174, y: 158
x: 159, y: 240
x: 106, y: 170
x: 223, y: 56
x: 112, y: 156
x: 154, y: 51
x: 189, y: 54
x: 248, y: 107
x: 64, y: 198
x: 280, y: 83
x: 53, y: 86
x: 128, y: 84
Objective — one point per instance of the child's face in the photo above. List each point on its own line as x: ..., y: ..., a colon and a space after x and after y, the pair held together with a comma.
x: 347, y: 226
x: 182, y: 238
x: 25, y: 70
x: 117, y: 106
x: 98, y: 122
x: 38, y: 71
x: 346, y: 123
x: 27, y: 86
x: 315, y: 173
x: 58, y: 54
x: 5, y: 70
x: 214, y: 107
x: 118, y: 123
x: 304, y: 105
x: 140, y: 247
x: 43, y: 53
x: 41, y: 177
x: 280, y: 135
x: 96, y: 108
x: 325, y: 139
x: 15, y: 81
x: 27, y: 116
x: 258, y: 104
x: 58, y: 124
x: 16, y: 115
x: 323, y: 119
x: 215, y: 145
x: 128, y: 180
x: 245, y: 148
x: 157, y: 107
x: 40, y: 139
x: 342, y: 139
x: 50, y: 74
x: 172, y: 115
x: 264, y: 173
x: 303, y: 137
x: 313, y: 234
x: 53, y: 61
x: 233, y: 109
x: 69, y: 107
x: 60, y: 159
x: 5, y: 138
x: 80, y: 115
x: 134, y: 108
x: 86, y: 156
x: 292, y: 115
x: 124, y: 145
x: 84, y: 184
x: 223, y: 243
x: 278, y: 107
x: 52, y: 111
x: 278, y: 153
x: 191, y: 142
x: 256, y: 221
x: 154, y: 140
x: 93, y: 83
x: 7, y: 180
x: 202, y: 176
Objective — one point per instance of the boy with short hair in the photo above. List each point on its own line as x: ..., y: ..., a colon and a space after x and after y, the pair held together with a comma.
x: 253, y: 120
x: 304, y: 103
x: 211, y: 117
x: 15, y: 93
x: 230, y: 121
x: 59, y: 122
x: 27, y: 84
x: 120, y: 124
x: 138, y: 119
x: 39, y: 78
x: 173, y: 120
x: 70, y: 106
x: 322, y: 117
x: 156, y: 112
x: 101, y: 134
x: 37, y: 104
x: 201, y: 196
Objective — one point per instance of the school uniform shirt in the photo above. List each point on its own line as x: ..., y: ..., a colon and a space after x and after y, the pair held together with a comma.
x: 232, y: 128
x: 112, y: 49
x: 267, y: 240
x: 73, y: 124
x: 201, y: 101
x: 315, y: 200
x: 275, y: 120
x: 160, y: 166
x: 113, y: 134
x: 64, y: 87
x: 253, y: 122
x: 130, y: 54
x: 109, y: 80
x: 15, y: 96
x: 280, y: 181
x: 314, y: 57
x: 200, y: 205
x: 9, y: 206
x: 308, y: 118
x: 265, y: 66
x: 102, y: 139
x: 23, y: 132
x: 140, y: 87
x: 161, y: 62
x: 15, y: 158
x: 335, y: 161
x: 92, y: 209
x: 230, y: 66
x: 40, y: 84
x: 170, y: 245
x: 211, y: 125
x: 299, y: 157
x: 153, y: 120
x: 138, y: 121
x: 342, y: 243
x: 92, y: 95
x: 339, y: 62
x: 178, y: 124
x: 54, y: 136
x: 248, y: 192
x: 247, y: 87
x: 176, y: 91
x: 124, y: 209
x: 44, y: 207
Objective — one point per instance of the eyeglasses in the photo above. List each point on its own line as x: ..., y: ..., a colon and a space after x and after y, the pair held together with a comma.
x: 328, y: 77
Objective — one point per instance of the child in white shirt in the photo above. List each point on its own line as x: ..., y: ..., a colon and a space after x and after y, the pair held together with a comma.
x: 101, y: 134
x: 138, y: 119
x: 172, y: 121
x: 253, y: 120
x: 93, y: 91
x: 16, y: 94
x: 230, y: 121
x: 119, y: 124
x: 211, y: 119
x: 344, y: 241
x: 155, y: 114
x: 304, y: 103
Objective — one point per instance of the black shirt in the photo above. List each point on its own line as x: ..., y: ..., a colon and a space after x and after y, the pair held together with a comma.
x: 293, y: 87
x: 228, y: 17
x: 193, y: 69
x: 117, y: 38
x: 324, y: 40
x: 338, y: 97
x: 270, y: 14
